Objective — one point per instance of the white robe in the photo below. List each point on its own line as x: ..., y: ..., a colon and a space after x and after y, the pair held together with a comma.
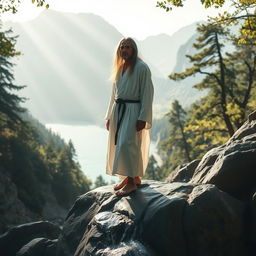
x: 129, y: 157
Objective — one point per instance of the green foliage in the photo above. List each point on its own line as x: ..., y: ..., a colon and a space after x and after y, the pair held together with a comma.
x: 68, y: 179
x: 241, y: 12
x: 177, y: 145
x: 99, y: 182
x: 169, y: 4
x: 210, y: 61
x: 9, y: 101
x: 13, y: 5
x: 230, y: 84
x: 34, y: 165
x: 33, y: 157
x: 177, y: 137
x: 154, y: 172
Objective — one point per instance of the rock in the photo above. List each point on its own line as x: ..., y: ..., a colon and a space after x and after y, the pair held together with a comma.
x: 16, y: 237
x: 126, y: 249
x: 52, y: 211
x: 159, y: 218
x: 206, y: 164
x: 12, y: 210
x: 39, y: 247
x: 184, y: 172
x: 232, y: 167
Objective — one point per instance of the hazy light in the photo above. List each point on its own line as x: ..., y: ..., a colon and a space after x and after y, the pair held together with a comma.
x: 68, y: 79
x: 134, y: 18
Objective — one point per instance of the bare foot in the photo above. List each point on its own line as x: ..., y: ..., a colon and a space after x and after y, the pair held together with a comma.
x: 121, y: 184
x: 137, y: 180
x: 127, y: 189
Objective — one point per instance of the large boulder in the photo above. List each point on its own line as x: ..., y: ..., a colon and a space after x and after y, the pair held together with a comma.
x: 184, y: 172
x: 159, y: 218
x: 231, y: 167
x: 39, y: 247
x: 12, y: 241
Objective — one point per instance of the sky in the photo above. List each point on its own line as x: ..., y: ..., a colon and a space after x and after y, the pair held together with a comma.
x: 135, y: 18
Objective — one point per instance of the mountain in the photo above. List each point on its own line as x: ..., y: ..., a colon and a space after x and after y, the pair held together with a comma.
x: 66, y: 64
x: 67, y: 60
x: 163, y: 48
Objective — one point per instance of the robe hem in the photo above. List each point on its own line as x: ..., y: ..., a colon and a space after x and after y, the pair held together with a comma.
x: 122, y: 175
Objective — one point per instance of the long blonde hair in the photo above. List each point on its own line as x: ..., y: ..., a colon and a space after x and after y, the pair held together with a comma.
x: 118, y: 60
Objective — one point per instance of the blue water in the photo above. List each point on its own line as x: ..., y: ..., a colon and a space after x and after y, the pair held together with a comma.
x: 90, y: 142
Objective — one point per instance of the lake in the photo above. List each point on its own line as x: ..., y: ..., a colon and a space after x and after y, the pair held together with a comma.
x: 90, y: 142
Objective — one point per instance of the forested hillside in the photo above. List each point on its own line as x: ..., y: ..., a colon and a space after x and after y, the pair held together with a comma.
x: 35, y: 163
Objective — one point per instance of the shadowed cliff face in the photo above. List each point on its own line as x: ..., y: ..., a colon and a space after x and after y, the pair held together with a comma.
x: 192, y: 218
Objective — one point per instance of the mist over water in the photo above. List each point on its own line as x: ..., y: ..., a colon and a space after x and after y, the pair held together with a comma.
x: 90, y: 142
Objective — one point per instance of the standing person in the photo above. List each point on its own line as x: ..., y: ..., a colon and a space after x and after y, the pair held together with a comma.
x: 129, y: 117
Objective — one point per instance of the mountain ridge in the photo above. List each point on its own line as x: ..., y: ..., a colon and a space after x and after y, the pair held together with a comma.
x: 66, y: 65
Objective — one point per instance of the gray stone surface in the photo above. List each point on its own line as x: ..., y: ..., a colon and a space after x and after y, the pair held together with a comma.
x: 13, y: 240
x: 232, y: 167
x: 184, y: 172
x: 38, y: 247
x: 175, y: 219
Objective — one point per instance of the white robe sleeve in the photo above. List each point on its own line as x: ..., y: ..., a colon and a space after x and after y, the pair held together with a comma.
x: 146, y: 96
x: 111, y: 102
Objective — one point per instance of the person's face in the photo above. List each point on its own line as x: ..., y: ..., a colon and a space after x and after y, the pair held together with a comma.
x: 126, y: 50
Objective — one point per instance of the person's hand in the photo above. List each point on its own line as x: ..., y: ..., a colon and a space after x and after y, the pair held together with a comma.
x: 107, y: 124
x: 140, y: 125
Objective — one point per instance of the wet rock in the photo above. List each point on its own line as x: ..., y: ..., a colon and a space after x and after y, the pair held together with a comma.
x: 133, y: 248
x: 166, y: 218
x: 38, y: 247
x: 12, y: 241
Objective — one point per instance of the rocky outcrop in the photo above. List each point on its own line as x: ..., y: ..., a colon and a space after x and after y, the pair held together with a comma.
x: 231, y: 167
x: 12, y: 210
x: 167, y: 219
x: 39, y: 247
x: 158, y: 219
x: 13, y: 240
x: 213, y: 213
x: 184, y: 172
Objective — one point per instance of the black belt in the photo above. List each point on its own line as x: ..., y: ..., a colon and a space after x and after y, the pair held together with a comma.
x: 120, y: 103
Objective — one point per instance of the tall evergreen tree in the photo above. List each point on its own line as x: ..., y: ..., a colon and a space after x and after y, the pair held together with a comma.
x: 210, y: 62
x: 178, y: 138
x: 154, y: 172
x: 9, y: 101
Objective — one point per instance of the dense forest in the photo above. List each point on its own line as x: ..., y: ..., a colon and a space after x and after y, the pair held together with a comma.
x: 30, y: 155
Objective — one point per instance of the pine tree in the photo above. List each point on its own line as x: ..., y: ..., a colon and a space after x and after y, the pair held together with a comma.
x: 209, y: 61
x: 99, y: 182
x: 9, y: 101
x: 178, y: 138
x: 154, y: 172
